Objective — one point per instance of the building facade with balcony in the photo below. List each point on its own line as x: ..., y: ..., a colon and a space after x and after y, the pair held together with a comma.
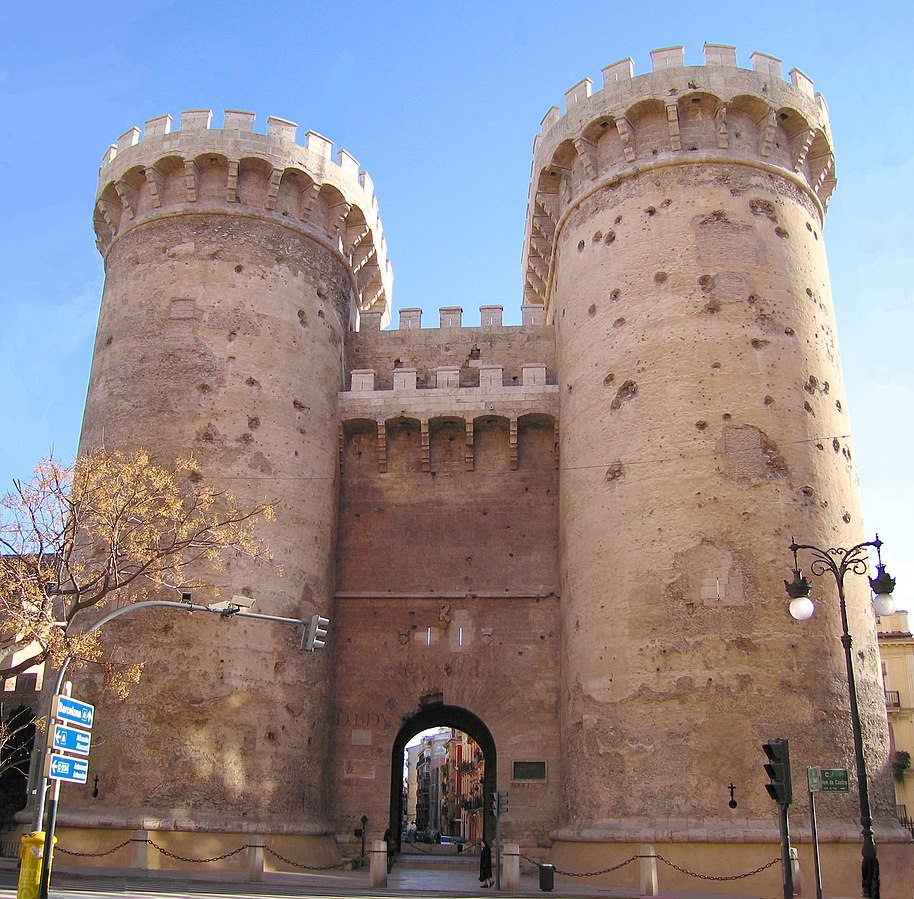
x: 896, y: 647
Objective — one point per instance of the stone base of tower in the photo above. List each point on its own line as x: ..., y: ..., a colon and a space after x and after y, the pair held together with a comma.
x: 696, y: 864
x: 233, y: 856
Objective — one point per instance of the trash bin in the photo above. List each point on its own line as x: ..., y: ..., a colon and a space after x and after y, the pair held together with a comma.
x: 547, y: 878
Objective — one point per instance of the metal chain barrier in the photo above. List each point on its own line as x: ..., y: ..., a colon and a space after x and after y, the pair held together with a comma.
x: 97, y: 854
x: 676, y: 867
x: 289, y: 861
x: 196, y: 861
x: 419, y: 848
x: 215, y: 858
x: 660, y: 858
x: 587, y: 873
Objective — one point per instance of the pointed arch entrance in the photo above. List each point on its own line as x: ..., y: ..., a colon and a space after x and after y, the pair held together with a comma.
x: 441, y: 715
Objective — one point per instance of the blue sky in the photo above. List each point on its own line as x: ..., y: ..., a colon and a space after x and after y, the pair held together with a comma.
x: 440, y: 102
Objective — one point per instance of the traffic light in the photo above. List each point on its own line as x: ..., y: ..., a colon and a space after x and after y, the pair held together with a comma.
x: 499, y: 804
x: 317, y: 633
x: 778, y: 770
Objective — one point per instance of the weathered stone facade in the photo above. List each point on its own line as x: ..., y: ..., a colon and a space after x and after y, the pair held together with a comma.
x: 566, y: 537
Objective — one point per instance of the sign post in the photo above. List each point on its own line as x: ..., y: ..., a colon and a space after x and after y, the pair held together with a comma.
x: 71, y: 723
x: 822, y: 780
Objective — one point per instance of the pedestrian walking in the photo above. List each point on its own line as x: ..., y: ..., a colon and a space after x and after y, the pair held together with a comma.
x: 485, y: 865
x: 391, y: 849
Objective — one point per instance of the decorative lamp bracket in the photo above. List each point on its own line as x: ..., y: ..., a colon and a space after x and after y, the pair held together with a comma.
x: 799, y: 587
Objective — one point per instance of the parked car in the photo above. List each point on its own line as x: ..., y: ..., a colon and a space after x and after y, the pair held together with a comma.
x: 447, y: 839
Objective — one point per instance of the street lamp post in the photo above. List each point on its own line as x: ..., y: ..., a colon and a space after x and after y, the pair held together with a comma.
x: 839, y: 562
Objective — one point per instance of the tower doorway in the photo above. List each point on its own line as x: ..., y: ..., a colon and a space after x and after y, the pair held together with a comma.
x: 458, y: 769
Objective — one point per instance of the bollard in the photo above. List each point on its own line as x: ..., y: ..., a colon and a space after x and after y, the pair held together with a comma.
x: 510, y: 867
x: 141, y: 850
x: 648, y: 865
x: 30, y: 854
x: 547, y: 878
x: 255, y: 860
x: 377, y: 870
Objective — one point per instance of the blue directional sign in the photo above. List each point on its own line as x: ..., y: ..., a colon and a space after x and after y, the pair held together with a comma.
x: 71, y: 739
x: 62, y: 767
x: 72, y: 711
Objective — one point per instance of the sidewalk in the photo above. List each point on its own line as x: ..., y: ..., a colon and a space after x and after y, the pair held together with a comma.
x: 458, y: 880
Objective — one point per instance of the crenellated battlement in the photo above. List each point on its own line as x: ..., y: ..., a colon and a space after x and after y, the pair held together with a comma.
x: 673, y: 115
x: 237, y: 171
x: 469, y: 363
x: 452, y: 317
x: 491, y: 379
x: 671, y: 61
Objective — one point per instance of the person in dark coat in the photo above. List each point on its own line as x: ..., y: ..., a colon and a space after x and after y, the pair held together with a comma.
x: 485, y: 865
x: 391, y: 849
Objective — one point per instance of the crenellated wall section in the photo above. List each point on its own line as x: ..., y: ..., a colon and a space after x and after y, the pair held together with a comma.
x: 444, y: 423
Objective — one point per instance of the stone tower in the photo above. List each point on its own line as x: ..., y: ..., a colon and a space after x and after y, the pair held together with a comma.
x: 674, y: 238
x: 235, y: 264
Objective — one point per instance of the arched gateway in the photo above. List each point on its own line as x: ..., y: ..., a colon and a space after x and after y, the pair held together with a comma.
x: 441, y: 716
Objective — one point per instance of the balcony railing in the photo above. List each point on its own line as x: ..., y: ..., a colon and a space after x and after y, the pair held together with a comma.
x: 892, y: 699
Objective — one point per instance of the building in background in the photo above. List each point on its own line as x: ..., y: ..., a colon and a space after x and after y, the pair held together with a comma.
x: 896, y: 647
x: 447, y: 778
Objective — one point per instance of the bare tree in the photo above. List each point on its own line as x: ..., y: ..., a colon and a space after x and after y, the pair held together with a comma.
x: 17, y: 734
x: 75, y: 537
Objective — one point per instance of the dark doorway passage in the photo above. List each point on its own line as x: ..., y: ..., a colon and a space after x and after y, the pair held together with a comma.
x: 458, y: 719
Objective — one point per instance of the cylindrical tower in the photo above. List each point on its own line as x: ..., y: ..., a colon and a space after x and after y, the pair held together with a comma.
x: 235, y: 263
x: 675, y: 239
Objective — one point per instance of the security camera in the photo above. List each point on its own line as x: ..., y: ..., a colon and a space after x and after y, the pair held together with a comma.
x: 233, y: 605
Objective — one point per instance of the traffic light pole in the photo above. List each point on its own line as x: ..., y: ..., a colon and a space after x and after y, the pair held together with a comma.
x: 786, y: 862
x: 497, y: 847
x: 499, y: 807
x: 780, y: 789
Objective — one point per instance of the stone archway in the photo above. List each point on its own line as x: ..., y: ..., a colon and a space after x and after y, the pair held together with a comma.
x: 440, y: 715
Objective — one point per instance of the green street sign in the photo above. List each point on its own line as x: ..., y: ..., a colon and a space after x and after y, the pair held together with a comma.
x: 835, y: 780
x: 828, y: 780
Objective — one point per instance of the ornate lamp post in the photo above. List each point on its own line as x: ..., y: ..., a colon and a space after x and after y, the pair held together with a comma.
x: 839, y: 562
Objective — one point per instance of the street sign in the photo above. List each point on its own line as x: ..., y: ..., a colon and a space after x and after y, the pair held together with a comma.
x: 835, y: 780
x: 72, y: 711
x: 71, y: 739
x: 62, y: 767
x: 828, y: 780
